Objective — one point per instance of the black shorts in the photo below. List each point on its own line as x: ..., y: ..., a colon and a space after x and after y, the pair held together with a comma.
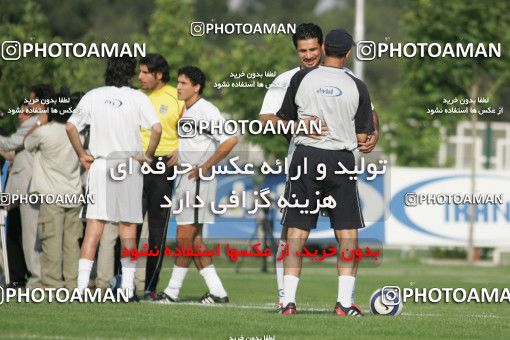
x: 347, y: 213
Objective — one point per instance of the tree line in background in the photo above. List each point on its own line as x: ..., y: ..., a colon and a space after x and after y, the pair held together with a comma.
x: 401, y: 89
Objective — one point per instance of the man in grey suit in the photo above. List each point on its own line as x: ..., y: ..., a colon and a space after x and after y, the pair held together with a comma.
x: 19, y: 180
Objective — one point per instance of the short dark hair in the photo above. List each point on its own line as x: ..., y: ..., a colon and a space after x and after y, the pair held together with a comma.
x: 331, y: 52
x: 307, y: 31
x: 157, y: 63
x: 195, y: 75
x: 119, y: 71
x: 43, y: 91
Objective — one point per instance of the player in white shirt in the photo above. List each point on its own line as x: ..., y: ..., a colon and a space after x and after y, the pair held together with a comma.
x: 308, y: 41
x: 202, y: 151
x: 115, y: 113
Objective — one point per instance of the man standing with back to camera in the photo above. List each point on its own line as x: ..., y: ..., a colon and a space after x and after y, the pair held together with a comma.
x: 307, y: 40
x: 154, y: 77
x: 343, y: 102
x: 115, y: 113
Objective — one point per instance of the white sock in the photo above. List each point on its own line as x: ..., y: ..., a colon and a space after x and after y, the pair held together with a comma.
x: 84, y: 269
x: 213, y: 282
x: 176, y: 280
x: 128, y: 275
x: 290, y: 283
x: 353, y: 293
x: 345, y: 290
x: 279, y: 271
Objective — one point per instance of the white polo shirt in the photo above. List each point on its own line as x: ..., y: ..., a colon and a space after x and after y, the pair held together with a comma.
x: 198, y: 149
x: 115, y: 115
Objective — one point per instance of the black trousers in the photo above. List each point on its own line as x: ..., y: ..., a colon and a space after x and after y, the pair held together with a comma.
x: 155, y: 187
x: 17, y: 267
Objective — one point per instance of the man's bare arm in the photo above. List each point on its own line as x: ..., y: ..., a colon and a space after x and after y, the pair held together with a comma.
x: 376, y: 121
x: 222, y: 152
x: 372, y: 139
x: 156, y: 132
x: 74, y: 137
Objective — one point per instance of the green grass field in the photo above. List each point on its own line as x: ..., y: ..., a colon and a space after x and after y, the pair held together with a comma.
x: 251, y: 311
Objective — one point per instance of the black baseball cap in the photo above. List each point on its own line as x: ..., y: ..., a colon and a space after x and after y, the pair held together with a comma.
x: 339, y: 41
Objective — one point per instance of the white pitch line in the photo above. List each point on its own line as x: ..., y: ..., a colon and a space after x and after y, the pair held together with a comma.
x: 483, y: 316
x: 231, y: 305
x: 311, y: 309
